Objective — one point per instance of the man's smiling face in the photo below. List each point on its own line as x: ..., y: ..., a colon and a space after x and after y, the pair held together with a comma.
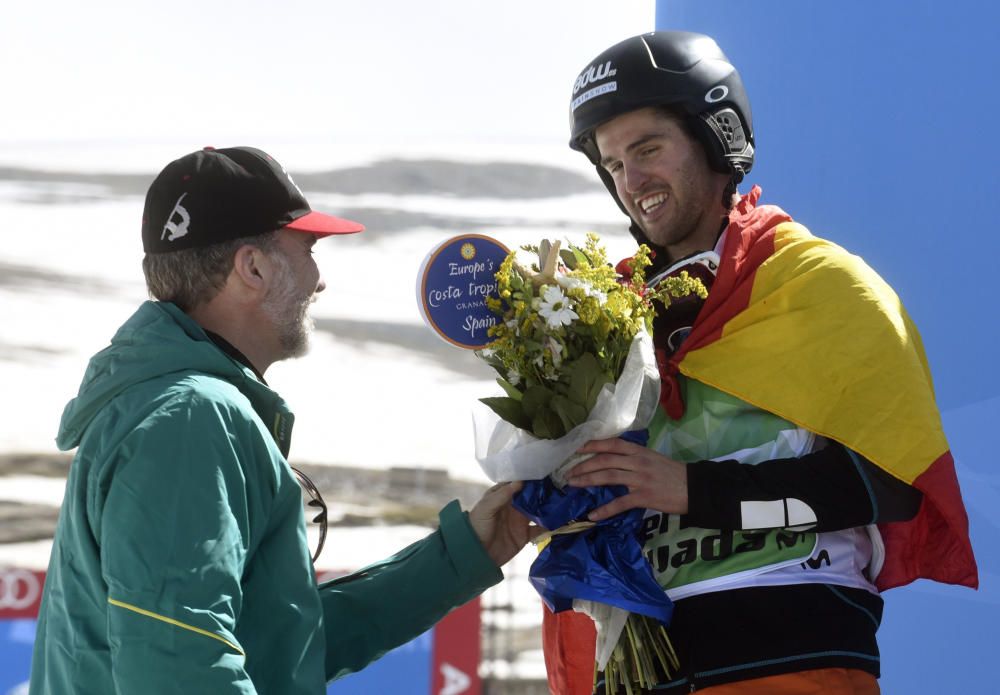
x: 662, y: 177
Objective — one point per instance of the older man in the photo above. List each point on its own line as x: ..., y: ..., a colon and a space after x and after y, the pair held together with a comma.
x: 180, y: 561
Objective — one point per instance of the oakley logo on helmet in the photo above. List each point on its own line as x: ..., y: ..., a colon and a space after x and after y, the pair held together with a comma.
x: 177, y: 229
x: 717, y: 93
x: 594, y: 73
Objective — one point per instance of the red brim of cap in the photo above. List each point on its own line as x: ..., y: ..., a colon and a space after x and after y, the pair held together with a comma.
x: 321, y: 224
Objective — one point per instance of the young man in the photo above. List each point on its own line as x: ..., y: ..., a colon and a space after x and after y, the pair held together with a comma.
x: 797, y: 465
x: 180, y: 561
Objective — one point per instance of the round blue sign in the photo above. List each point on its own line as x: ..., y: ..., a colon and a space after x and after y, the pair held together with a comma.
x: 454, y: 282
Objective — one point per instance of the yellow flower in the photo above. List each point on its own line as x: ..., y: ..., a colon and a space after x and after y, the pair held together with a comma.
x: 589, y: 310
x: 618, y: 305
x: 578, y: 306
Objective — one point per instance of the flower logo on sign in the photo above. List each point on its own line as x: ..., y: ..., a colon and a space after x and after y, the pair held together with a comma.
x: 468, y: 251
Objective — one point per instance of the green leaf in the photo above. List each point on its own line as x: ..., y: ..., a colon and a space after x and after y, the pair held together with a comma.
x: 535, y: 400
x: 526, y: 290
x: 516, y: 281
x: 586, y: 379
x: 493, y: 360
x: 508, y: 409
x: 510, y: 389
x: 570, y: 414
x: 547, y: 425
x: 498, y: 368
x: 569, y: 258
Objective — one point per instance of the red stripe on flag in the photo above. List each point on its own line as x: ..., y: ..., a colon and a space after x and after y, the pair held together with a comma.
x: 749, y: 242
x: 934, y: 544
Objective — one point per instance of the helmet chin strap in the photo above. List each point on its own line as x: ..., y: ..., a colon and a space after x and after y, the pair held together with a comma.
x: 730, y: 190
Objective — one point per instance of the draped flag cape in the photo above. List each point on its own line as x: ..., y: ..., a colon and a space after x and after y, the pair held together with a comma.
x: 797, y: 326
x: 800, y: 328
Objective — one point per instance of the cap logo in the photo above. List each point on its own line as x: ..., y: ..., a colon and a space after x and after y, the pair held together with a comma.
x: 594, y: 73
x: 291, y: 180
x: 717, y: 93
x: 175, y: 230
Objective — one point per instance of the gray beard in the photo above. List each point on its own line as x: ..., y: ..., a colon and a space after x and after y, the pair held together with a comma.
x: 289, y: 313
x: 294, y: 332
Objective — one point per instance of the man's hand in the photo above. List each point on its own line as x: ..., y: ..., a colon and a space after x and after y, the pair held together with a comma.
x: 501, y: 529
x: 653, y: 480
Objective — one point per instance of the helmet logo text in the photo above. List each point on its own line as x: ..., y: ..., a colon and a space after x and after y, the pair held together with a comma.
x: 594, y: 73
x: 717, y: 93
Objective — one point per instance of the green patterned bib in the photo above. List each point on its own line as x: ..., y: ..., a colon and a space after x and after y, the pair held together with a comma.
x: 718, y: 426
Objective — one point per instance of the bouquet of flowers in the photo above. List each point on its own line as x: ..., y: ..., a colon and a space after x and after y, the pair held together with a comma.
x: 575, y: 361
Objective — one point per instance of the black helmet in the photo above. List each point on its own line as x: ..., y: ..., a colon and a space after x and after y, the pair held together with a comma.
x: 678, y: 68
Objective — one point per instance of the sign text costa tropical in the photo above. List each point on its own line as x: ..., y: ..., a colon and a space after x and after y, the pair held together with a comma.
x: 452, y: 286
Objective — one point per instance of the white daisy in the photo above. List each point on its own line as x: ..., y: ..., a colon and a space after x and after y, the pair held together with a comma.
x: 568, y: 283
x: 555, y: 309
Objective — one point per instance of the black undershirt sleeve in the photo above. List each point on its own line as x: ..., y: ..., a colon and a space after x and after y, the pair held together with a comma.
x: 841, y: 488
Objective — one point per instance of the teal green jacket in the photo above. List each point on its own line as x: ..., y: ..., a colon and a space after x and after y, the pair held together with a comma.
x: 180, y: 562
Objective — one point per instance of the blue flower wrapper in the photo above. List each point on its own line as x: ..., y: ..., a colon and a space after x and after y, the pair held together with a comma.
x: 604, y: 563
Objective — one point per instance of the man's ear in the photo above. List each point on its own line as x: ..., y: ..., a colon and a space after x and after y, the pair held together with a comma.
x: 251, y: 269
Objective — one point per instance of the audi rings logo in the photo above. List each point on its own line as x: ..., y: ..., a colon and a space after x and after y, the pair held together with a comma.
x: 19, y: 589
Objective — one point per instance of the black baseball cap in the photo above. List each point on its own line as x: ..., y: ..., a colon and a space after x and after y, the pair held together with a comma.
x: 215, y: 195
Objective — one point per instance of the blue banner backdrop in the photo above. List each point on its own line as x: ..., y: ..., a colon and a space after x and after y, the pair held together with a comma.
x: 874, y: 128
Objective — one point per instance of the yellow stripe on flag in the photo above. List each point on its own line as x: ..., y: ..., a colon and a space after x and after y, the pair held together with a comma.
x: 825, y: 343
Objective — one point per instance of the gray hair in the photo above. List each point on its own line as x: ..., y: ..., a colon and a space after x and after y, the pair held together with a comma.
x: 193, y: 276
